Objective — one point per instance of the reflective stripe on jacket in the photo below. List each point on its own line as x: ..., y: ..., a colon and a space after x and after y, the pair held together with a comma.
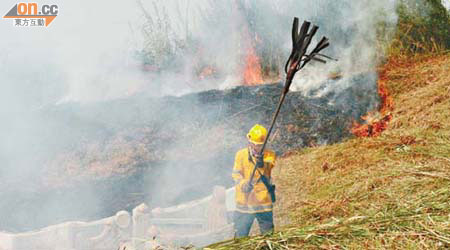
x: 258, y: 200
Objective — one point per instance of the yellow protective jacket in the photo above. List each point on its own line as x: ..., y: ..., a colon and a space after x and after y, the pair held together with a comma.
x: 258, y: 200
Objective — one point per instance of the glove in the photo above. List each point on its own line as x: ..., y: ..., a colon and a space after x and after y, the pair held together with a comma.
x: 246, y: 187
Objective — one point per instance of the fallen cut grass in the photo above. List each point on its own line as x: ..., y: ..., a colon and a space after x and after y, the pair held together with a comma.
x: 387, y: 192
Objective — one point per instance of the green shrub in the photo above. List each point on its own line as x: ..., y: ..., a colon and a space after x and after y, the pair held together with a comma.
x: 423, y: 26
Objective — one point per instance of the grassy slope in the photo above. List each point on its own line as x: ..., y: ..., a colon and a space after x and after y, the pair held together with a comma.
x: 392, y: 191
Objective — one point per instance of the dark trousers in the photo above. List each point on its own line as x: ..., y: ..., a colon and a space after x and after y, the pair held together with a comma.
x: 243, y: 222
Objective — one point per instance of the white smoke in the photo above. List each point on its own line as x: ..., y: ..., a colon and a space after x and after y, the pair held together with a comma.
x: 88, y: 54
x: 91, y: 46
x: 446, y: 3
x: 84, y: 55
x: 353, y: 30
x: 222, y: 30
x: 88, y: 45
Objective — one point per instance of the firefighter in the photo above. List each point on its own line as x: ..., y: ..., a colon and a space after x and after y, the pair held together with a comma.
x: 253, y: 199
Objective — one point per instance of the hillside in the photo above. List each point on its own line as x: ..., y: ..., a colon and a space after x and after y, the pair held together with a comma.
x: 390, y: 191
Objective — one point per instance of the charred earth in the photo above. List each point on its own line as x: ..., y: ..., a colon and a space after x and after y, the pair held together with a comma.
x: 114, y: 155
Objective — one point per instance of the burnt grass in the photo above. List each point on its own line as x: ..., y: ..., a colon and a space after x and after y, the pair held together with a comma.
x: 113, y: 155
x: 386, y: 192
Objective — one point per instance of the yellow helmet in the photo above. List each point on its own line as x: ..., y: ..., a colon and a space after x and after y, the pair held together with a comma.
x: 257, y: 134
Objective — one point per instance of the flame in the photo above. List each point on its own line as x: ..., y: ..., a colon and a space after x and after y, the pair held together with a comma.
x: 252, y: 70
x: 373, y: 127
x: 207, y: 72
x: 387, y: 104
x: 252, y: 73
x: 376, y: 122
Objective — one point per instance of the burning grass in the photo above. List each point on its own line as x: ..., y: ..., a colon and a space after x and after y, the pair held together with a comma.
x: 376, y: 121
x: 390, y: 191
x: 252, y: 71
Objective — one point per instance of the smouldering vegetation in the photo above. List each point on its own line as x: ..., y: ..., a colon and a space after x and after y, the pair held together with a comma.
x: 387, y: 192
x: 391, y: 191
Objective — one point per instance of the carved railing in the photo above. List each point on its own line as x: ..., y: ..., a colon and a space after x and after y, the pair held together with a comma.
x: 198, y: 223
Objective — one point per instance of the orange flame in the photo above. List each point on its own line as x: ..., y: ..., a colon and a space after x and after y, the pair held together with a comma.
x: 387, y: 104
x: 376, y: 122
x: 373, y: 128
x: 252, y: 70
x: 207, y: 72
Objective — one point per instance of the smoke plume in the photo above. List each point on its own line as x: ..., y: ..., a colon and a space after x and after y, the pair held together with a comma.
x: 97, y: 51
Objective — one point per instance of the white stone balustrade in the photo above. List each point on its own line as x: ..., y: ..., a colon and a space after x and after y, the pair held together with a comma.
x: 199, y: 223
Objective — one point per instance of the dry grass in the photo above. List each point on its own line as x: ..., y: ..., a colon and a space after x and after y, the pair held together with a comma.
x: 387, y: 192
